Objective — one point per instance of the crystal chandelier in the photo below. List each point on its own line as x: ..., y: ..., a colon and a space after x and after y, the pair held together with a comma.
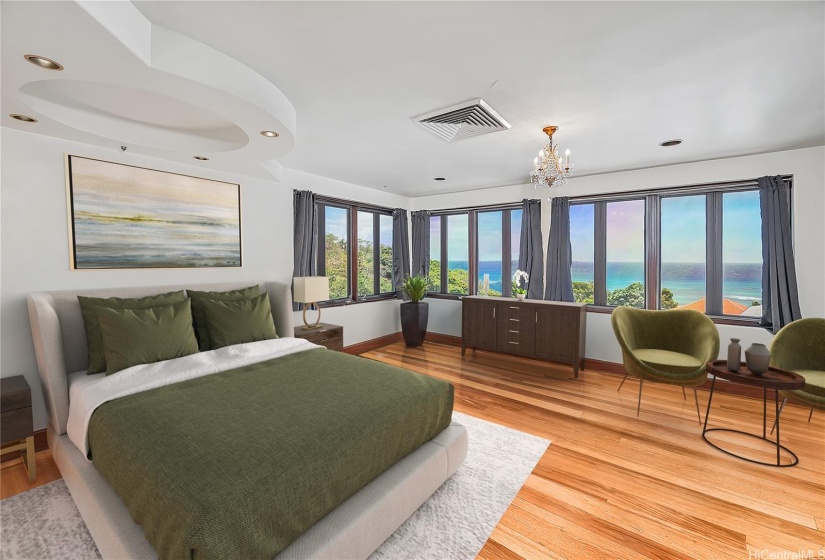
x: 548, y: 168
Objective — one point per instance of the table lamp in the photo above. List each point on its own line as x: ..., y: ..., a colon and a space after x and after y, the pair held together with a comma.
x: 310, y: 290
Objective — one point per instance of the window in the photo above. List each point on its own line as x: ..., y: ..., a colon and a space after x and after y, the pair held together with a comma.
x: 335, y: 261
x: 625, y: 269
x: 741, y: 257
x: 490, y: 253
x: 474, y: 248
x: 683, y: 268
x: 694, y: 247
x: 450, y: 254
x: 583, y: 255
x: 435, y: 255
x: 356, y: 253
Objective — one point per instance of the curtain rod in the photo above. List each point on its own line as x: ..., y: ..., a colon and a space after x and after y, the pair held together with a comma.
x: 686, y: 189
x: 344, y: 202
x: 498, y: 206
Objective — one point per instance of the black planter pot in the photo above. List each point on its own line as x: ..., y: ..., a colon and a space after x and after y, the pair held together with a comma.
x: 414, y: 318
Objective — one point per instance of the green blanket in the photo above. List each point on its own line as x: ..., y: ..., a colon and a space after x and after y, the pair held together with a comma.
x: 238, y: 464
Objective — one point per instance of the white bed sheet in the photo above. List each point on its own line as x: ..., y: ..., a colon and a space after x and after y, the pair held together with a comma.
x: 87, y: 392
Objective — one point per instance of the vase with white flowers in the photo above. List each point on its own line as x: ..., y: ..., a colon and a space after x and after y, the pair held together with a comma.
x: 520, y: 280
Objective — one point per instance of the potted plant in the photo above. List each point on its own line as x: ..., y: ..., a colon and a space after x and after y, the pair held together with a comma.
x: 520, y: 279
x: 414, y: 313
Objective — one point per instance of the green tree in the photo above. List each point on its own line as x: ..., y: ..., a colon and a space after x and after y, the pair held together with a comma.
x: 385, y: 257
x: 667, y: 299
x: 434, y: 279
x: 458, y: 279
x: 336, y: 266
x: 583, y: 292
x: 632, y: 296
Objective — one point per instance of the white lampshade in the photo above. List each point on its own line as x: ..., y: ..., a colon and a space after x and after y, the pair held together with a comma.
x: 311, y: 289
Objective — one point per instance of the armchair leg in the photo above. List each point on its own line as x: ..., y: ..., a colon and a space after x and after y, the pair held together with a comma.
x: 810, y: 414
x: 780, y: 412
x: 684, y: 396
x: 639, y: 405
x: 696, y: 398
x: 622, y: 383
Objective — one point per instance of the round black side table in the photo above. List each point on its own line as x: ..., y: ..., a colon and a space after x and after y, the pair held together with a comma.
x: 775, y: 379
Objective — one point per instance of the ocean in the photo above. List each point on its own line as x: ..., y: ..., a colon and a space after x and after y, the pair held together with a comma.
x: 741, y: 282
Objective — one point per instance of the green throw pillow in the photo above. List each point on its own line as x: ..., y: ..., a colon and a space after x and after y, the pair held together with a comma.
x: 145, y: 336
x: 236, y: 322
x: 89, y: 307
x: 199, y: 316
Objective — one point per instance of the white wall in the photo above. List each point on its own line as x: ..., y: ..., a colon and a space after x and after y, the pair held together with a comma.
x: 34, y: 242
x: 806, y: 165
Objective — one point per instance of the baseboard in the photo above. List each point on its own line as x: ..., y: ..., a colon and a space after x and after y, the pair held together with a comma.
x: 373, y: 344
x: 40, y: 444
x: 439, y: 338
x: 601, y: 365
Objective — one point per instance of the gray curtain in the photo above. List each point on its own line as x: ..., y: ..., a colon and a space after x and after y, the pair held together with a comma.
x: 780, y: 297
x: 305, y: 238
x: 559, y: 252
x: 421, y: 243
x: 400, y: 249
x: 531, y: 250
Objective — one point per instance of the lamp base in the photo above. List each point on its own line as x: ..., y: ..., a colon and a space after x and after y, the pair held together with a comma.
x: 314, y: 325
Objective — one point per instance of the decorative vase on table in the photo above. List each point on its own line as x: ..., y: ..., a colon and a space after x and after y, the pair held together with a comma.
x: 758, y: 358
x: 734, y: 354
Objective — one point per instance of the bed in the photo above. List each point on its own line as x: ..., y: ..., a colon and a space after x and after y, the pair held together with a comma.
x: 352, y: 529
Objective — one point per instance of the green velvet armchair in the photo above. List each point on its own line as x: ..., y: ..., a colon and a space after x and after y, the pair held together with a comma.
x: 800, y: 347
x: 670, y: 346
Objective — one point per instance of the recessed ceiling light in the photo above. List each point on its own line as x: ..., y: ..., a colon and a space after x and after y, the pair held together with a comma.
x: 668, y: 143
x: 439, y: 179
x: 43, y: 62
x: 269, y: 133
x: 201, y: 158
x: 23, y: 118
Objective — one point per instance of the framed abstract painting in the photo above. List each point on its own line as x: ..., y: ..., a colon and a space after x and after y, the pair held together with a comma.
x: 121, y: 216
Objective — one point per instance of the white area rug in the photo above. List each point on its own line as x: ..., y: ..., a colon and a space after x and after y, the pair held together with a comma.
x: 452, y: 525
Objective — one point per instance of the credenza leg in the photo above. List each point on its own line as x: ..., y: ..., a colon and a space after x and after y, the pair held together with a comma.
x: 463, y: 349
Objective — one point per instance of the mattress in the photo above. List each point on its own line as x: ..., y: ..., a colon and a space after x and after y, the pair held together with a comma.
x: 239, y: 463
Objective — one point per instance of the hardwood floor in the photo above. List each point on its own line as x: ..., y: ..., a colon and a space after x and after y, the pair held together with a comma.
x: 14, y: 480
x: 612, y: 485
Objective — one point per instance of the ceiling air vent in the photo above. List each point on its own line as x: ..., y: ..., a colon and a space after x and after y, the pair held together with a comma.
x: 472, y: 118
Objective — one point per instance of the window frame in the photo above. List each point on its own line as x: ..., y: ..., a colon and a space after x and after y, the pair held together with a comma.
x: 472, y: 228
x: 713, y: 193
x: 352, y: 208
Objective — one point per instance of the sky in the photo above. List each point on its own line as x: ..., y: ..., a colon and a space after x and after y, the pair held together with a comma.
x: 489, y: 236
x: 336, y: 223
x: 683, y: 229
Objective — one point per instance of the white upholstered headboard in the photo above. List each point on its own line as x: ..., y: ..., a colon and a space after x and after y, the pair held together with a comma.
x: 60, y: 335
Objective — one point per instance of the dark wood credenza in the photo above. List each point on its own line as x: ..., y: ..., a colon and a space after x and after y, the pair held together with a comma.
x: 544, y: 330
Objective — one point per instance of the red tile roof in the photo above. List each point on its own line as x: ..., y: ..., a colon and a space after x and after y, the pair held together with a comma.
x: 728, y: 307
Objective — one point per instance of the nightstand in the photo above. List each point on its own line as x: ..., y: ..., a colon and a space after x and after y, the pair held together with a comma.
x: 331, y: 336
x: 16, y: 429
